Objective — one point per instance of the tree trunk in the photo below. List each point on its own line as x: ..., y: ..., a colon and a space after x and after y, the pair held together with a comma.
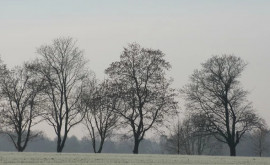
x: 61, y: 141
x: 99, y: 150
x: 60, y: 145
x: 20, y: 149
x: 59, y: 148
x: 136, y: 146
x: 232, y: 150
x: 101, y: 145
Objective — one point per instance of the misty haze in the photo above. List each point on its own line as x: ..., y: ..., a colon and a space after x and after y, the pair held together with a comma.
x: 101, y: 82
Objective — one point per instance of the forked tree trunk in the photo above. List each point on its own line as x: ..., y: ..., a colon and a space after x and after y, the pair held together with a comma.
x: 101, y: 145
x: 60, y: 147
x: 61, y: 142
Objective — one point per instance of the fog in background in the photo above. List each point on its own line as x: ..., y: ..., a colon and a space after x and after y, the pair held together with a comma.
x: 187, y: 31
x: 148, y: 146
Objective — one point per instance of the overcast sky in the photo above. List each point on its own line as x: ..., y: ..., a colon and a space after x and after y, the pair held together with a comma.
x: 188, y: 32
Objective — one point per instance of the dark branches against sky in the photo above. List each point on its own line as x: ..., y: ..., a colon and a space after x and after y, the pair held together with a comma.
x: 146, y: 96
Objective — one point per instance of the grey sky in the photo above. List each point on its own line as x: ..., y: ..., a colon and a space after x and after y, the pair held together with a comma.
x: 187, y: 31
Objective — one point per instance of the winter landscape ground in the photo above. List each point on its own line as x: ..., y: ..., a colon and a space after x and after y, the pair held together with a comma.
x: 13, y: 158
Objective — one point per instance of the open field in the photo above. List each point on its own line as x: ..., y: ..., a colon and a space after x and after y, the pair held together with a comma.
x: 13, y: 158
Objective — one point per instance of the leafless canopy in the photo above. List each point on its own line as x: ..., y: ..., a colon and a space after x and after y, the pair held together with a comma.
x: 100, y: 119
x: 63, y: 67
x: 215, y: 93
x: 140, y: 81
x: 260, y: 139
x: 189, y: 138
x: 21, y: 97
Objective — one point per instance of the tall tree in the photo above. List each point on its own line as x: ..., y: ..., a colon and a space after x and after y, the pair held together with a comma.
x: 21, y: 97
x: 63, y: 67
x: 146, y: 96
x: 100, y: 119
x: 216, y: 94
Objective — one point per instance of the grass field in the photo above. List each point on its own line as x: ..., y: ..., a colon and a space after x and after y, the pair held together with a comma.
x: 13, y: 158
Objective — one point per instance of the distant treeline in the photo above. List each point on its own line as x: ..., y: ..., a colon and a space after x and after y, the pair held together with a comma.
x: 149, y: 146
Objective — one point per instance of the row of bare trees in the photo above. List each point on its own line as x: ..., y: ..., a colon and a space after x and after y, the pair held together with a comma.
x: 137, y: 95
x: 57, y: 87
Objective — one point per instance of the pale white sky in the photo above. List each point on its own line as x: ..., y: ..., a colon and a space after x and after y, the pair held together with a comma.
x: 187, y: 31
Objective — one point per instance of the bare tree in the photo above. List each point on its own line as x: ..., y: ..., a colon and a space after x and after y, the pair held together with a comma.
x: 146, y: 96
x: 259, y: 139
x: 216, y: 94
x: 63, y: 67
x: 100, y: 119
x: 20, y: 90
x: 187, y: 138
x: 172, y: 143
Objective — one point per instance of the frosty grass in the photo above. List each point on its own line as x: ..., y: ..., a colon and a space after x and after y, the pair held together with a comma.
x: 14, y: 158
